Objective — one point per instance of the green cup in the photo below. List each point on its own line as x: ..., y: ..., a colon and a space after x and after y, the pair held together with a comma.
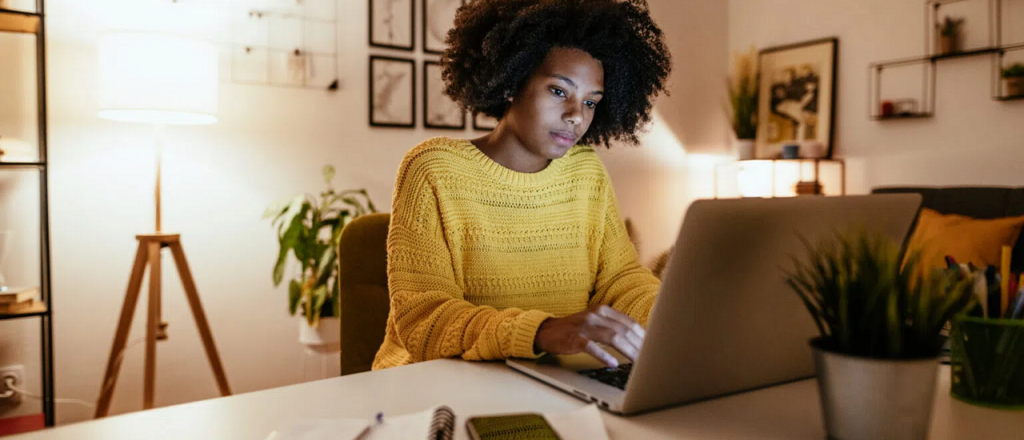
x: 988, y: 362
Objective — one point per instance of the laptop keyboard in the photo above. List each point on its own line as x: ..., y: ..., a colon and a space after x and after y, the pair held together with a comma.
x: 616, y: 377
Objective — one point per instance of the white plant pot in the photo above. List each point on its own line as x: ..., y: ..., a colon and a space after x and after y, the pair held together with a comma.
x: 744, y: 149
x: 871, y: 399
x: 326, y: 338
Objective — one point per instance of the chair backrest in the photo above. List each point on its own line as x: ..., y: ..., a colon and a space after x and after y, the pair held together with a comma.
x: 362, y: 257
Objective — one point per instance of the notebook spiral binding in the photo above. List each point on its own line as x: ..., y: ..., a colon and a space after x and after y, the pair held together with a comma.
x: 442, y: 426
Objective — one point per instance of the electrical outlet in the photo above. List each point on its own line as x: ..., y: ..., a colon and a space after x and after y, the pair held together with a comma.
x: 11, y: 371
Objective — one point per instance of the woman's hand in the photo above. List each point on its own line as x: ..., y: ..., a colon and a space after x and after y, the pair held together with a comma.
x: 581, y: 332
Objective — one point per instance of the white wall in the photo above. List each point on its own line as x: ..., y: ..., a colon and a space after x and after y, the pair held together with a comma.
x: 270, y: 144
x: 971, y: 140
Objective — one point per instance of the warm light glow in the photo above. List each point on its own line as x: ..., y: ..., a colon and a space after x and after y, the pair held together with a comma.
x: 157, y: 78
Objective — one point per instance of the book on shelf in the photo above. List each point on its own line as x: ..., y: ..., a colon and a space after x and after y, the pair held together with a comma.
x: 16, y: 307
x: 13, y: 295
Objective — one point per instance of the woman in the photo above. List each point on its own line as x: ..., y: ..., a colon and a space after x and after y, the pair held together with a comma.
x: 511, y: 245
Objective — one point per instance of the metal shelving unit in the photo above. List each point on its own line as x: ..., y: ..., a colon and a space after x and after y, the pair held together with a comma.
x: 22, y: 22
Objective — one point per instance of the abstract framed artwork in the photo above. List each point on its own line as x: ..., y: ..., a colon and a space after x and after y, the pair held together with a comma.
x: 483, y: 122
x: 392, y: 92
x: 438, y: 18
x: 439, y: 111
x: 797, y: 96
x: 391, y: 24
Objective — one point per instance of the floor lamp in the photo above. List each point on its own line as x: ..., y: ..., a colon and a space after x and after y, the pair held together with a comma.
x: 156, y: 79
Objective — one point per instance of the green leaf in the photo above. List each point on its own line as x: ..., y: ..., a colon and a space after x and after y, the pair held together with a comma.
x: 327, y: 262
x: 317, y: 298
x: 289, y: 241
x: 294, y: 295
x: 328, y: 174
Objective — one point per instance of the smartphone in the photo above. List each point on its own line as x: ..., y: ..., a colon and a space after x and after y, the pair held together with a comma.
x: 526, y: 426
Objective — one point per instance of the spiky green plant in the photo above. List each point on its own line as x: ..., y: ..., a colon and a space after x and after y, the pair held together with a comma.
x: 743, y: 94
x: 309, y: 228
x: 1014, y: 71
x: 868, y: 302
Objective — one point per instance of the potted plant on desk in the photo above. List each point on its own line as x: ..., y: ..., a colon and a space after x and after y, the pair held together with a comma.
x: 1014, y: 77
x: 882, y: 330
x: 309, y: 228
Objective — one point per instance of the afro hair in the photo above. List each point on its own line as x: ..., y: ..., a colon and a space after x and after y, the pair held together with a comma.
x: 496, y: 45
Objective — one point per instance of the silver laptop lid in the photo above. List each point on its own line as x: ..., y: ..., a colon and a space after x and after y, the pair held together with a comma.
x: 725, y: 321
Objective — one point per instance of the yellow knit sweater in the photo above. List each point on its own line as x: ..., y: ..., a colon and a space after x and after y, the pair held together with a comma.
x: 479, y: 255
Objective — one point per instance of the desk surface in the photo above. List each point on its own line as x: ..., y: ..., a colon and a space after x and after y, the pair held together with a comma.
x: 788, y: 411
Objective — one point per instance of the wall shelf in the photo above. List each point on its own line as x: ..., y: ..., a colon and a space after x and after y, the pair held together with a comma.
x: 925, y: 102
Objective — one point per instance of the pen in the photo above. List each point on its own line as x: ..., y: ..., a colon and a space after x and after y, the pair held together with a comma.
x: 379, y: 419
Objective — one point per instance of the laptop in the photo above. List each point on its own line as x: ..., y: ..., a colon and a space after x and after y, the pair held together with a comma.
x: 725, y: 321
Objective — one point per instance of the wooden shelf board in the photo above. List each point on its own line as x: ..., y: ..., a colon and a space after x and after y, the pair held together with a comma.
x: 897, y: 117
x: 18, y: 22
x: 37, y: 309
x: 1010, y: 98
x: 803, y: 159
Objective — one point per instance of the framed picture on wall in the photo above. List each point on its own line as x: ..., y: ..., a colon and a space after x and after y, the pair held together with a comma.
x: 438, y: 18
x: 391, y: 24
x: 483, y: 122
x: 439, y: 111
x: 392, y: 92
x: 797, y: 97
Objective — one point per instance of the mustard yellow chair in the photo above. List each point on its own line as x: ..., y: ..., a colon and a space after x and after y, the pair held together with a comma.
x: 362, y: 257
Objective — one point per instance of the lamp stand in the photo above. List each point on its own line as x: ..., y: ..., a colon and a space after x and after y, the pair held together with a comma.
x: 150, y: 246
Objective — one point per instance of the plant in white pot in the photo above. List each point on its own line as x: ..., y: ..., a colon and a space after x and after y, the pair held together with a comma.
x: 882, y: 322
x: 743, y: 87
x: 309, y: 228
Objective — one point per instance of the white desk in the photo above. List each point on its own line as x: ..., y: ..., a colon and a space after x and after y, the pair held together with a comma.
x: 787, y: 412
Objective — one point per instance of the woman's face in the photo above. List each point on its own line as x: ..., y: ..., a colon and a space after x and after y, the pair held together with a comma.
x: 555, y: 107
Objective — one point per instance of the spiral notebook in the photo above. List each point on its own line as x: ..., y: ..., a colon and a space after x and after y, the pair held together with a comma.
x: 437, y: 423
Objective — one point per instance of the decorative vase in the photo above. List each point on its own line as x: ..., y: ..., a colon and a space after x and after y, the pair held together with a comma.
x: 1015, y: 86
x: 325, y: 338
x: 744, y: 149
x: 870, y: 399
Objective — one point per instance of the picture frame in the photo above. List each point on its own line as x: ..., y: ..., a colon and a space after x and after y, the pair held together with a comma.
x: 797, y: 97
x: 438, y: 18
x: 387, y: 24
x: 482, y: 122
x: 439, y: 111
x: 391, y: 81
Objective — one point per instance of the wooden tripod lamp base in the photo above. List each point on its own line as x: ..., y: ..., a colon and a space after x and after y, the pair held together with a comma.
x: 148, y: 253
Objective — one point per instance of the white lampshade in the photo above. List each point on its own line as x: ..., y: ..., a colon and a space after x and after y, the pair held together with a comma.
x: 157, y: 78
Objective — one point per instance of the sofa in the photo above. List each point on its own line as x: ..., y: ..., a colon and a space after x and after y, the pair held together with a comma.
x: 977, y: 202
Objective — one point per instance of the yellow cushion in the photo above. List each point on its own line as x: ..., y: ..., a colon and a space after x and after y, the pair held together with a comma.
x: 966, y: 239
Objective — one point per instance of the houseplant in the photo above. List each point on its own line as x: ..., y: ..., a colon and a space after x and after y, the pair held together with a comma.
x: 1014, y: 76
x: 743, y: 88
x: 949, y: 34
x: 882, y: 322
x: 308, y: 228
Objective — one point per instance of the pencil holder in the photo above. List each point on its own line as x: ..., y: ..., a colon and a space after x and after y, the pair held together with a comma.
x: 987, y: 362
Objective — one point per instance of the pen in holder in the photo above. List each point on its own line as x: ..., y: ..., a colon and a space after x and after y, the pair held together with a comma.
x: 988, y: 362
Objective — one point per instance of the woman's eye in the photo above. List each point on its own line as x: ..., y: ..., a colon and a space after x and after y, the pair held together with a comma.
x: 590, y: 104
x: 558, y: 92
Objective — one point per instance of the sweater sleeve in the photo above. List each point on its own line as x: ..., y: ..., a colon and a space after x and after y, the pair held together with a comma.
x: 432, y: 319
x: 622, y: 283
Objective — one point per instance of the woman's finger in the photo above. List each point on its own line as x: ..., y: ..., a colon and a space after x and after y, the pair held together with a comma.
x: 623, y: 319
x: 596, y: 351
x: 614, y: 334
